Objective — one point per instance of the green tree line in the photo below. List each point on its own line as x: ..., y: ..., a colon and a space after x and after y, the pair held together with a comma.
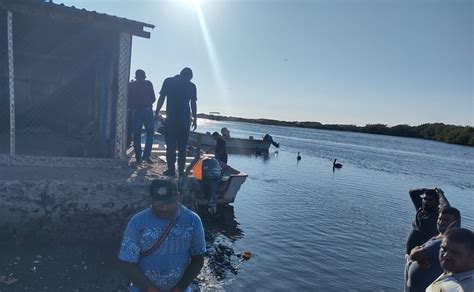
x: 462, y: 135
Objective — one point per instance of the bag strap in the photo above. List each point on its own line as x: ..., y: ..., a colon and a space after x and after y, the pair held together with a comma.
x: 161, y: 239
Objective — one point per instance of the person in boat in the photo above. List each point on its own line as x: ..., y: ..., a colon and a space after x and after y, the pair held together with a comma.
x: 181, y: 93
x: 208, y: 171
x: 220, y: 149
x: 269, y: 138
x: 141, y: 97
x: 456, y: 256
x: 225, y: 133
x: 427, y: 203
x: 424, y: 266
x: 163, y: 246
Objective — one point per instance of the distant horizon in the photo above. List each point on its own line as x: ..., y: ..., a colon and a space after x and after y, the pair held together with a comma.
x: 324, y: 123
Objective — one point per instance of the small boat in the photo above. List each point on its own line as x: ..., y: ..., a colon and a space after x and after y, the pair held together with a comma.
x: 233, y: 145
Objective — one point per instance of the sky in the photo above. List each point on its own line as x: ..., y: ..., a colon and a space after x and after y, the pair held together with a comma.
x: 333, y: 61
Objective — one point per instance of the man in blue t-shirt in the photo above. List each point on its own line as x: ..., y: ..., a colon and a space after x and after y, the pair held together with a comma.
x: 163, y: 246
x: 181, y: 92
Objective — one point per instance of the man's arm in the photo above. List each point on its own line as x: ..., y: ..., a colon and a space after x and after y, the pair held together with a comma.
x: 415, y: 197
x: 191, y: 272
x: 161, y: 101
x: 194, y: 111
x: 418, y: 253
x: 152, y: 93
x: 137, y: 277
x: 443, y: 202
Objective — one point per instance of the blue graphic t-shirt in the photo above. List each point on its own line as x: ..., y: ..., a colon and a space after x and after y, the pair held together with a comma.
x: 166, y: 265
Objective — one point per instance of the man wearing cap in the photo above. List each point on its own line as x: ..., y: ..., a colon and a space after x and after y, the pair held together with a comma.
x: 163, y: 246
x: 141, y: 97
x: 181, y: 93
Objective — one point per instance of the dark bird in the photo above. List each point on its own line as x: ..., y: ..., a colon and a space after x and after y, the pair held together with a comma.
x: 336, y: 165
x: 298, y: 157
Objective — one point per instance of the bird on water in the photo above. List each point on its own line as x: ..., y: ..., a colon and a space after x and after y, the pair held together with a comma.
x: 336, y: 165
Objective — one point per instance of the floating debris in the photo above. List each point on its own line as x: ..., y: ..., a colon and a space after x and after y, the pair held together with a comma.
x: 7, y: 279
x: 246, y: 255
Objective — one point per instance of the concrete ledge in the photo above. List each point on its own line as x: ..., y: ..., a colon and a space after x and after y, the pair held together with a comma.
x: 72, y: 198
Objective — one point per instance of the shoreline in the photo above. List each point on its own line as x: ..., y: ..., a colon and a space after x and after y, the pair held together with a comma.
x: 451, y: 134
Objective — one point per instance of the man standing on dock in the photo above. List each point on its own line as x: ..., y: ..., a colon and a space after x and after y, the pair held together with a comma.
x: 163, y: 246
x: 181, y: 92
x: 141, y: 97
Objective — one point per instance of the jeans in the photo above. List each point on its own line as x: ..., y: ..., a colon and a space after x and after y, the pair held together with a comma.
x: 176, y: 137
x: 143, y: 116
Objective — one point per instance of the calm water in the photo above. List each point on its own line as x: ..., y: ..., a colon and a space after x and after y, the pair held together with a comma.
x: 312, y: 229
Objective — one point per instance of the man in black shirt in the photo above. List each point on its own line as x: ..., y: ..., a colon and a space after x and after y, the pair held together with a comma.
x: 427, y: 203
x: 181, y: 93
x: 141, y: 97
x: 220, y: 150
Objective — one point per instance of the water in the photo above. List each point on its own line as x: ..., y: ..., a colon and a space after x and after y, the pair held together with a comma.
x: 308, y: 228
x: 312, y: 229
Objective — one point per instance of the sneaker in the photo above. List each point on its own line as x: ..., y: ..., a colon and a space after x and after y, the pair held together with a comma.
x: 170, y: 173
x: 148, y: 160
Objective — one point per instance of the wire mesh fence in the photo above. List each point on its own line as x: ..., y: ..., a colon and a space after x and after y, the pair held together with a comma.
x: 65, y: 89
x: 4, y: 94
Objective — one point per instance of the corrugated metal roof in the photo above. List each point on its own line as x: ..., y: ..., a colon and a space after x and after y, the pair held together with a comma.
x: 71, y: 13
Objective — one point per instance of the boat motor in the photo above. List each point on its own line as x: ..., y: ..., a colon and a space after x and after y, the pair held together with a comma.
x: 208, y: 172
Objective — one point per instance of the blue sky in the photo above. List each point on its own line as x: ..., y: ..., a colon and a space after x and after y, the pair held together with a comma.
x: 348, y: 62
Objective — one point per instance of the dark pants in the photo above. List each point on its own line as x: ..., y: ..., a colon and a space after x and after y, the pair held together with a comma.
x: 143, y: 116
x: 176, y: 138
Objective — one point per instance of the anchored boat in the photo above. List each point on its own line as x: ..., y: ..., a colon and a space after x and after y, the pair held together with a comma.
x: 233, y: 145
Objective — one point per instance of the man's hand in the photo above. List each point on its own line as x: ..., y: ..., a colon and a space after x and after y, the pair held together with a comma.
x: 424, y: 264
x: 194, y: 124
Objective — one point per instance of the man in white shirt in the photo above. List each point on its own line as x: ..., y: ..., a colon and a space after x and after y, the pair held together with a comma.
x: 456, y: 256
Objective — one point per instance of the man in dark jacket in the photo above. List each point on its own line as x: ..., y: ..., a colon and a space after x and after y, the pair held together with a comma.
x: 427, y: 203
x: 181, y: 93
x: 141, y: 98
x: 220, y: 149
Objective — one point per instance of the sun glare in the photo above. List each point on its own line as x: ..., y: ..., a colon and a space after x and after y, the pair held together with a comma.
x: 196, y: 3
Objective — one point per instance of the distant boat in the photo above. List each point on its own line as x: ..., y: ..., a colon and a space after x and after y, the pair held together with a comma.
x: 234, y: 145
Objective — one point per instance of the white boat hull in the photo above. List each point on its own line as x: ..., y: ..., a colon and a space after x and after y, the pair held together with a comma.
x: 233, y: 145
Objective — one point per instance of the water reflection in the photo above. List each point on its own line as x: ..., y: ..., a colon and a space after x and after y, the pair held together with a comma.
x: 222, y: 230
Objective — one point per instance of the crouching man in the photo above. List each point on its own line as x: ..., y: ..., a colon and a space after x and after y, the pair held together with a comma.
x: 163, y: 246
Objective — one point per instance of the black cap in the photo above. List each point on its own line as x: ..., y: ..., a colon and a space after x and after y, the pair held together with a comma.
x: 164, y: 190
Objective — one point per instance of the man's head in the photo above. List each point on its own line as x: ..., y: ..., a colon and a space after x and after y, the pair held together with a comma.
x: 164, y: 193
x: 456, y: 254
x: 430, y: 199
x: 215, y: 135
x: 140, y: 74
x: 187, y: 73
x: 448, y: 217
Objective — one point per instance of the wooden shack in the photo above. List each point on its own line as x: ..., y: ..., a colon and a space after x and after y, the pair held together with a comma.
x: 64, y: 75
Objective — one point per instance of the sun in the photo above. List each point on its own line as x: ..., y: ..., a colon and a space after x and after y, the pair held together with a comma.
x: 196, y: 3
